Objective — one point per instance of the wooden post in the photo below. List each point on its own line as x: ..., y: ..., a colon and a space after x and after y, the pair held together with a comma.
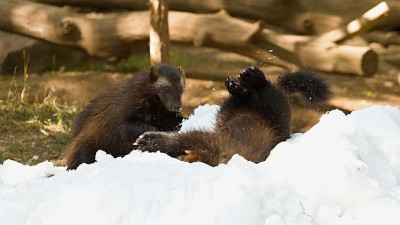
x: 159, y: 33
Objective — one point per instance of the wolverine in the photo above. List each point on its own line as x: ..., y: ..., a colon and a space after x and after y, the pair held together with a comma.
x: 251, y: 122
x: 112, y: 121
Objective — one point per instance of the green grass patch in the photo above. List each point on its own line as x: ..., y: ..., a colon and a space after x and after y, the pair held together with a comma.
x: 35, y: 131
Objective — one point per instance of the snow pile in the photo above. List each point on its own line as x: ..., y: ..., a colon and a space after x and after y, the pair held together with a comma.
x: 345, y: 170
x: 203, y: 118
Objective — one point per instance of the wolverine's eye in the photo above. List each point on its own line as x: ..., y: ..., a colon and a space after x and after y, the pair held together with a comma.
x: 166, y: 90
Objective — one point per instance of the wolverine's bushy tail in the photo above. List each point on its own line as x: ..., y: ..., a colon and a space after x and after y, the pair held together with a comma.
x: 311, y: 87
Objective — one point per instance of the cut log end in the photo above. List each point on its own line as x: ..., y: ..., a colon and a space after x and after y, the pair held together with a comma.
x: 369, y: 63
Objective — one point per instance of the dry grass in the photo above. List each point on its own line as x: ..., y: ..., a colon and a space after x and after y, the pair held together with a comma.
x: 32, y: 131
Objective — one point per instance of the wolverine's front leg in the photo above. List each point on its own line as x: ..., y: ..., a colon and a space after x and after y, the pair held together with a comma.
x: 193, y: 145
x: 165, y: 142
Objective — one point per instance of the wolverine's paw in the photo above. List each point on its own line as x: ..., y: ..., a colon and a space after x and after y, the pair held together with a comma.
x: 234, y: 87
x: 158, y: 141
x: 252, y: 77
x: 151, y: 141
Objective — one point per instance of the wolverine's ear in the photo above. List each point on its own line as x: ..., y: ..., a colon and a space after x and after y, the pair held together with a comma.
x: 153, y: 74
x: 183, y: 76
x: 181, y: 71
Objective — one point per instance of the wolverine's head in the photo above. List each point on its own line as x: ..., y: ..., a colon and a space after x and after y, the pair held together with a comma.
x: 169, y: 83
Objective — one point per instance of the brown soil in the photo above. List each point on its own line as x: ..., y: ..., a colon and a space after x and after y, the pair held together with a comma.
x: 212, y: 66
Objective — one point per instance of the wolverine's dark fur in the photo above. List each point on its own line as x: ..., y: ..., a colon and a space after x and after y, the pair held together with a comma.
x: 251, y: 122
x: 149, y: 101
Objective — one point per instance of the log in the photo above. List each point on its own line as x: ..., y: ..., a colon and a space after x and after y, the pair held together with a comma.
x: 288, y: 14
x: 357, y: 26
x: 350, y: 9
x: 324, y: 56
x: 392, y: 56
x: 339, y: 58
x: 384, y: 38
x: 113, y: 36
x: 44, y: 55
x: 302, y: 17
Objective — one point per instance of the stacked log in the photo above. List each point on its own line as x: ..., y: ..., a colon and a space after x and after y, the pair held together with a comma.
x: 114, y: 35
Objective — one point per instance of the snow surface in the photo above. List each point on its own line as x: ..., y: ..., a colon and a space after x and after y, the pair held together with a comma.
x: 345, y: 170
x: 203, y: 118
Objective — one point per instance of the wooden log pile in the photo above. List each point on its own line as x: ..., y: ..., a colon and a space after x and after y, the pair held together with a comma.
x: 115, y: 35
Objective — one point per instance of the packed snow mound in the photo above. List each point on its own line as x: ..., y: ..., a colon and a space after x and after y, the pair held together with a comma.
x: 203, y: 118
x: 345, y: 170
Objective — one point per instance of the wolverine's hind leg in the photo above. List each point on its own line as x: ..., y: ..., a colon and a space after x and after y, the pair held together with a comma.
x: 78, y: 154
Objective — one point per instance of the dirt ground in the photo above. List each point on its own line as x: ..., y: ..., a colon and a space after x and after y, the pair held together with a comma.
x: 206, y: 70
x: 205, y: 85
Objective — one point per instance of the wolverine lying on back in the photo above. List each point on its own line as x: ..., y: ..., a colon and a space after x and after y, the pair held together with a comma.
x: 112, y: 121
x: 251, y: 122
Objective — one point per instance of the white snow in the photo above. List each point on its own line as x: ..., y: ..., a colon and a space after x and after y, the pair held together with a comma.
x: 203, y: 118
x: 345, y: 170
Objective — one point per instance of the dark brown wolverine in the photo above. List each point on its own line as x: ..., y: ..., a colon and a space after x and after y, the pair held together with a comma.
x: 112, y: 121
x: 251, y: 122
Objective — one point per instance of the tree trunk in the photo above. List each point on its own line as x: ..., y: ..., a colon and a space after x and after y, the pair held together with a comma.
x: 113, y: 36
x: 159, y: 34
